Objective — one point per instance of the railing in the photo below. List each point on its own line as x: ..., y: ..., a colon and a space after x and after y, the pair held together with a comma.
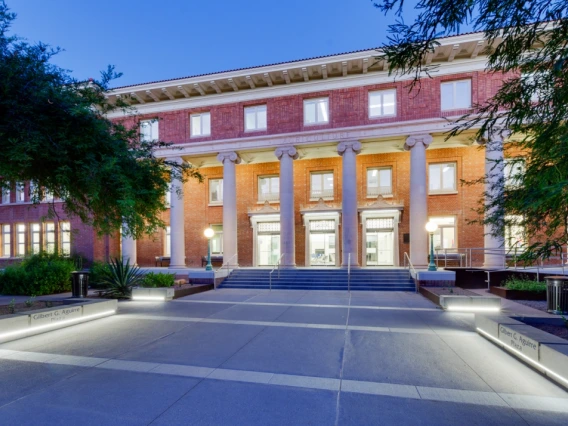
x: 349, y: 273
x: 408, y: 263
x: 228, y: 265
x: 273, y: 269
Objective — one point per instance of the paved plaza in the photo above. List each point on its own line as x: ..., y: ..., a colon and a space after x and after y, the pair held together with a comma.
x: 249, y: 357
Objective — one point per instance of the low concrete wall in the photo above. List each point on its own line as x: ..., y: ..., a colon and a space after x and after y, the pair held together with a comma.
x: 440, y: 278
x: 470, y: 303
x: 544, y: 352
x: 153, y: 294
x: 19, y: 325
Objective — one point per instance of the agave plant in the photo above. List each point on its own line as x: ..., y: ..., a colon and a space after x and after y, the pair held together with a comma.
x: 120, y: 277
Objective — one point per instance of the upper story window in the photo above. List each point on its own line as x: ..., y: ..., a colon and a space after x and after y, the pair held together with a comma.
x: 200, y: 124
x: 149, y: 130
x: 20, y: 192
x: 47, y: 196
x: 268, y: 188
x: 445, y: 235
x: 382, y: 103
x: 513, y: 171
x: 255, y: 118
x: 456, y: 94
x: 217, y: 240
x: 321, y: 185
x: 442, y: 178
x: 215, y: 191
x: 316, y: 111
x: 379, y: 181
x: 5, y: 196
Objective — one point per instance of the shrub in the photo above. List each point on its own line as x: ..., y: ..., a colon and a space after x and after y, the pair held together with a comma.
x: 526, y: 285
x: 97, y: 272
x: 120, y: 278
x: 38, y: 274
x: 158, y: 280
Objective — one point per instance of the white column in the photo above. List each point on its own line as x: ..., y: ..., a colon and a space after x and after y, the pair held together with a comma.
x: 418, y: 199
x: 349, y: 231
x: 287, y: 155
x: 177, y: 225
x: 494, y: 181
x: 230, y: 246
x: 128, y: 248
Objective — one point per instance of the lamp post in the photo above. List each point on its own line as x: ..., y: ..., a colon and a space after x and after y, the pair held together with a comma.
x: 431, y: 227
x: 209, y: 234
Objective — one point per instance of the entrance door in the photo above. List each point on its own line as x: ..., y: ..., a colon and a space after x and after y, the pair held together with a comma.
x: 380, y: 246
x: 268, y: 249
x: 322, y: 249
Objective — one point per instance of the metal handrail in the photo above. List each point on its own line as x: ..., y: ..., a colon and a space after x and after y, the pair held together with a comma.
x: 273, y: 269
x: 349, y: 273
x: 410, y: 265
x: 228, y: 264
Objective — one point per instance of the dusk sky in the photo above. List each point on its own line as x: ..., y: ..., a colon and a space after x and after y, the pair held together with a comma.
x: 155, y: 40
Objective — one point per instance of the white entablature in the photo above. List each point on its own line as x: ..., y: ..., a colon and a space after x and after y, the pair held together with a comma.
x: 454, y: 55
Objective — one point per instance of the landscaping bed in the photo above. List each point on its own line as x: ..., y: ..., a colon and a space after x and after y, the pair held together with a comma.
x: 23, y: 307
x: 434, y: 293
x: 189, y: 289
x: 556, y: 330
x: 510, y: 294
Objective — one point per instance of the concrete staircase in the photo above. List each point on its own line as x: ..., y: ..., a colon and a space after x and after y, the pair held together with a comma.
x: 321, y: 279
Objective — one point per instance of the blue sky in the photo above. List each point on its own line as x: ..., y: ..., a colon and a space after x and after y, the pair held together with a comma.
x: 155, y: 40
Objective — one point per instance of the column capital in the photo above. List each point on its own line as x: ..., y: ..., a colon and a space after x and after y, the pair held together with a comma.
x: 411, y: 141
x: 229, y: 155
x: 344, y: 146
x: 286, y: 150
x: 495, y: 135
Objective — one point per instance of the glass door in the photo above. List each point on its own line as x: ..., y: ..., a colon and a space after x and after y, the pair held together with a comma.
x: 268, y: 249
x: 322, y: 249
x: 379, y: 248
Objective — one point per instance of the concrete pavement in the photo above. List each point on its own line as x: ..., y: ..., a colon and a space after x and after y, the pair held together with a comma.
x: 249, y: 357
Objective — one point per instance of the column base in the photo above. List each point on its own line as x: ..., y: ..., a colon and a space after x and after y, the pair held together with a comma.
x: 178, y: 266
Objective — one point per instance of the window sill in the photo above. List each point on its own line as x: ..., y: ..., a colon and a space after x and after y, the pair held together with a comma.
x: 376, y: 196
x: 319, y: 123
x: 316, y: 199
x: 215, y: 204
x: 256, y: 130
x: 269, y: 202
x: 378, y: 117
x: 199, y: 136
x: 443, y: 193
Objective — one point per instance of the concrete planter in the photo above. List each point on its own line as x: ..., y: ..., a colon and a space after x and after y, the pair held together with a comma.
x: 29, y: 323
x: 153, y: 294
x: 470, y: 303
x: 518, y: 294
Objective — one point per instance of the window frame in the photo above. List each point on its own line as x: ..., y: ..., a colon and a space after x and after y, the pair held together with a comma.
x: 21, y: 235
x: 255, y: 109
x: 272, y: 196
x: 508, y: 236
x: 199, y: 115
x: 216, y: 202
x: 382, y: 103
x: 323, y: 196
x: 49, y: 237
x: 154, y: 130
x: 6, y: 196
x: 218, y: 236
x: 440, y: 231
x: 35, y: 237
x: 454, y: 84
x: 6, y: 240
x: 167, y: 241
x: 378, y: 169
x: 316, y: 101
x: 441, y: 176
x: 20, y: 192
x: 508, y: 163
x: 65, y: 238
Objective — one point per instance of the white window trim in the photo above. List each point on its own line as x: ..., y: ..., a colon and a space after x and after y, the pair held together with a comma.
x: 444, y: 191
x: 382, y: 93
x: 154, y: 130
x: 167, y: 241
x: 307, y: 218
x: 390, y: 194
x: 454, y: 94
x: 191, y: 128
x: 18, y: 233
x: 315, y: 198
x: 6, y: 233
x: 6, y: 194
x: 455, y: 226
x: 273, y: 197
x: 256, y: 109
x: 215, y: 203
x: 20, y: 189
x: 316, y: 101
x: 377, y: 214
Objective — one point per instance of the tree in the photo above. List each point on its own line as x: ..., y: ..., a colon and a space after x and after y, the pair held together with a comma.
x: 54, y: 133
x: 528, y: 45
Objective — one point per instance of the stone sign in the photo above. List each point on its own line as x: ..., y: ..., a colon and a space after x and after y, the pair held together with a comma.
x: 521, y: 343
x: 58, y: 315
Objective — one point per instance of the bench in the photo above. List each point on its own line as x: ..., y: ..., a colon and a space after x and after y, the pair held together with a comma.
x: 214, y: 259
x: 162, y: 259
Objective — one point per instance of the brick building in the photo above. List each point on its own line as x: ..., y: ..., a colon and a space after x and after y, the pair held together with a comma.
x: 319, y: 162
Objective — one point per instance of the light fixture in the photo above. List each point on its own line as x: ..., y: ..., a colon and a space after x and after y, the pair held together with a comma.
x: 432, y: 227
x: 209, y: 234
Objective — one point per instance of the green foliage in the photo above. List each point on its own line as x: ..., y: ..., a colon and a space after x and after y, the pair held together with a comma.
x: 12, y: 306
x: 38, y: 274
x: 97, y: 272
x: 525, y: 285
x: 55, y: 132
x: 158, y: 280
x: 29, y: 303
x: 120, y: 278
x: 526, y: 44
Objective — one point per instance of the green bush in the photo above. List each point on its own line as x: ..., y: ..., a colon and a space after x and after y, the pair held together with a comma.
x: 526, y: 285
x: 38, y: 275
x: 158, y: 280
x: 97, y: 272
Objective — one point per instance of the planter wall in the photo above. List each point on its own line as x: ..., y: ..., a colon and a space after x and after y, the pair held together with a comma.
x: 518, y: 294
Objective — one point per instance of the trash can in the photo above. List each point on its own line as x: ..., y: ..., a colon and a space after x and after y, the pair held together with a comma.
x: 79, y: 284
x: 557, y: 294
